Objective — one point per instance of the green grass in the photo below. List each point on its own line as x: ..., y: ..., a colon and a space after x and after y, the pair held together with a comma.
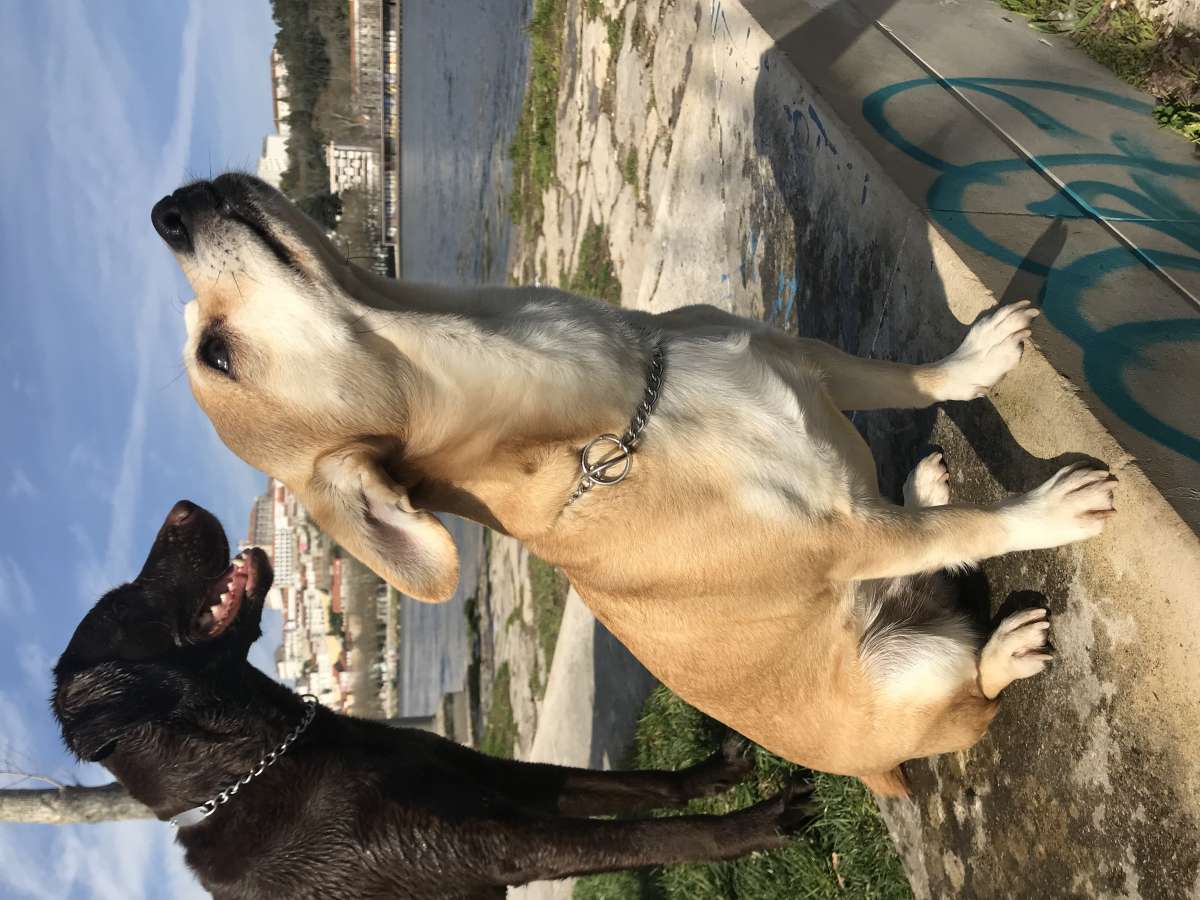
x: 592, y: 8
x: 1137, y: 49
x: 1185, y: 120
x: 630, y: 170
x: 549, y: 587
x: 616, y: 32
x: 1120, y: 39
x: 594, y: 275
x: 849, y: 830
x: 532, y: 150
x: 500, y: 729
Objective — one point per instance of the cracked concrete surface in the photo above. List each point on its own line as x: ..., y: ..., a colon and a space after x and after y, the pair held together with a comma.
x: 750, y: 195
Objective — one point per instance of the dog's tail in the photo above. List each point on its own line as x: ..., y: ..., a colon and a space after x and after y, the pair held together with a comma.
x: 887, y: 784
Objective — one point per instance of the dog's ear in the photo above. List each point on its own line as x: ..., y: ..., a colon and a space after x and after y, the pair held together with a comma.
x: 98, y: 707
x: 361, y: 507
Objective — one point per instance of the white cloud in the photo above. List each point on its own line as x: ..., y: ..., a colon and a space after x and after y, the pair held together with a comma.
x: 148, y: 354
x: 18, y: 876
x: 16, y: 740
x: 16, y: 594
x: 117, y: 860
x: 21, y: 485
x: 37, y: 666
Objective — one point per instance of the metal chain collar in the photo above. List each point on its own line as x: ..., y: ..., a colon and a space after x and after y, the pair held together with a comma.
x: 618, y: 451
x: 198, y: 814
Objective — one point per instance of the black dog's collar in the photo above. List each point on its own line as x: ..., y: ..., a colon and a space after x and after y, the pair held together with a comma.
x: 198, y: 814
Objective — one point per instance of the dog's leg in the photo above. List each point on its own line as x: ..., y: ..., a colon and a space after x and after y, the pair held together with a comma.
x: 549, y: 848
x: 585, y: 792
x: 562, y: 790
x: 890, y: 542
x: 991, y: 348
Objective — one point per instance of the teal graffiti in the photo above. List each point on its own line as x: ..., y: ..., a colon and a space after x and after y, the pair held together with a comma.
x: 1108, y: 352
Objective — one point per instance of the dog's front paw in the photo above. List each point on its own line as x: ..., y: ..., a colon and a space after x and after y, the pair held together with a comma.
x: 991, y: 349
x: 929, y: 483
x: 1016, y: 649
x: 1072, y: 505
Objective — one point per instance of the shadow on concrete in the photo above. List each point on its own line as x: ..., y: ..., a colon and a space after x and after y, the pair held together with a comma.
x: 622, y: 685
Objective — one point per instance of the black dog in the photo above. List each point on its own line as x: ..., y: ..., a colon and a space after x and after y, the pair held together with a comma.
x: 155, y: 684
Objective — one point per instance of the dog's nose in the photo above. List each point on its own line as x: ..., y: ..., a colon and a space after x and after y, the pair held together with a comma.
x: 174, y: 217
x: 167, y: 217
x: 181, y: 512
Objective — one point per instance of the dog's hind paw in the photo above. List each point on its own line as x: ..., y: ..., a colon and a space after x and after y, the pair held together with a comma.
x: 722, y: 771
x: 1018, y: 648
x: 929, y: 483
x: 991, y: 349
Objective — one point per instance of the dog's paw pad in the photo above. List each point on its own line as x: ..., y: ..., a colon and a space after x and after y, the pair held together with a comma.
x: 929, y: 483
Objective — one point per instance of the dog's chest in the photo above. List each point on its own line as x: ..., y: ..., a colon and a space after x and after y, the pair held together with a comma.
x: 767, y: 437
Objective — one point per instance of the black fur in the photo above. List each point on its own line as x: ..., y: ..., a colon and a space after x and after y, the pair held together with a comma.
x: 355, y: 808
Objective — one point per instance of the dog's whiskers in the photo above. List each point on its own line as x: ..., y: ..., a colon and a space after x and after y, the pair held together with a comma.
x: 390, y: 321
x: 182, y: 371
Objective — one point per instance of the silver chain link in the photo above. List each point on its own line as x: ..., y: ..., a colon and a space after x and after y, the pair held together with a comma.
x: 597, y: 472
x: 206, y: 809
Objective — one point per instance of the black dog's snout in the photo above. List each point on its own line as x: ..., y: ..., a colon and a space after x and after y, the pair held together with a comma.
x: 173, y: 215
x: 181, y: 512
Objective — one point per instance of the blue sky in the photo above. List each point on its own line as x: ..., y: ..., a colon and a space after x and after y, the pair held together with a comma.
x: 107, y: 106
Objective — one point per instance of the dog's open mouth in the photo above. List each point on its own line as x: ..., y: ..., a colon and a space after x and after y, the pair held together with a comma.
x: 225, y: 599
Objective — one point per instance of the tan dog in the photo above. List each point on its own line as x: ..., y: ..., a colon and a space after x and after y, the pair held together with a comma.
x: 747, y: 560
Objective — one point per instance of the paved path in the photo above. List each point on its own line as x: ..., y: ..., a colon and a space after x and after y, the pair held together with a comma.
x: 591, y: 706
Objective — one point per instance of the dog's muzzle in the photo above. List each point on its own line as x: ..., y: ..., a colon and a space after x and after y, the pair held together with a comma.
x: 175, y: 215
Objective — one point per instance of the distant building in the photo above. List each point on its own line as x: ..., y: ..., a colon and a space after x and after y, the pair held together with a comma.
x: 274, y: 160
x: 261, y: 532
x: 352, y: 167
x: 390, y: 132
x: 279, y: 93
x: 284, y: 556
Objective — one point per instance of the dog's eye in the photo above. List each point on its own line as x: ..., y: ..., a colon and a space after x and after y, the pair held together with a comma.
x: 214, y: 353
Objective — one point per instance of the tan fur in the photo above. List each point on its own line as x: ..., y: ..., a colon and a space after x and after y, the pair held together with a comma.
x: 728, y: 561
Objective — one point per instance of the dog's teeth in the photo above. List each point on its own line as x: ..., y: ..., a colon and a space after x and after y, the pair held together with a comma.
x: 224, y: 599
